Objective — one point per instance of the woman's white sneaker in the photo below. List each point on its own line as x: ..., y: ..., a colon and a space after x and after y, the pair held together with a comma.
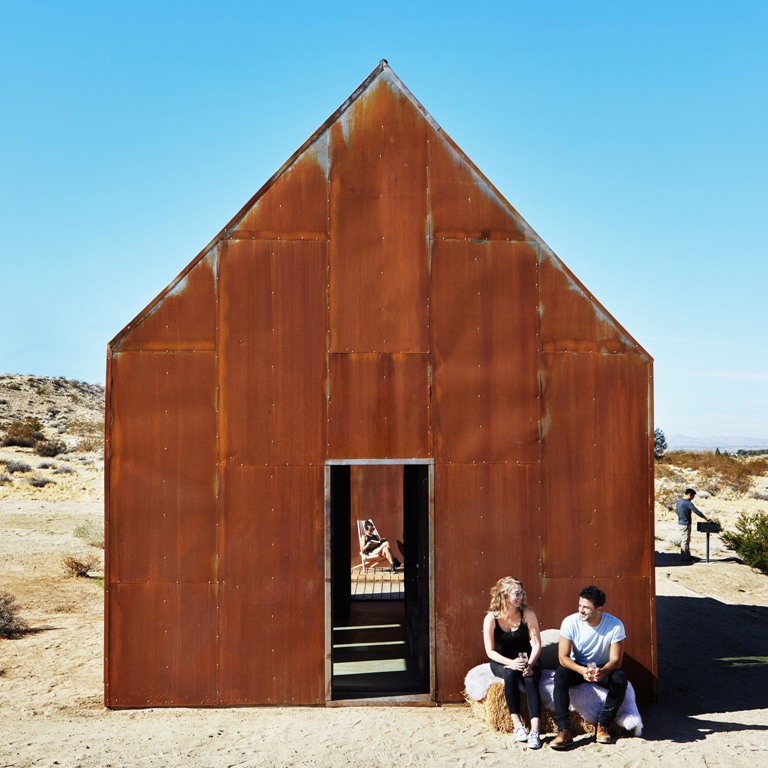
x: 521, y: 734
x: 534, y: 742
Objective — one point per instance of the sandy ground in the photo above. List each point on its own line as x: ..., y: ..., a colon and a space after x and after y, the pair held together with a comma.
x: 712, y: 708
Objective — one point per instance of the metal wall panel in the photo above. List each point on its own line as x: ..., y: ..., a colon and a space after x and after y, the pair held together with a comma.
x: 272, y: 352
x: 572, y: 320
x: 162, y: 471
x: 163, y: 645
x: 379, y: 258
x: 272, y: 560
x: 485, y: 357
x: 378, y: 407
x: 183, y: 317
x: 463, y: 205
x: 487, y: 525
x: 596, y: 456
x: 295, y: 206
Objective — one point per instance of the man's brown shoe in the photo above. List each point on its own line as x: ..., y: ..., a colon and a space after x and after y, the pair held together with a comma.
x: 563, y: 740
x: 602, y: 736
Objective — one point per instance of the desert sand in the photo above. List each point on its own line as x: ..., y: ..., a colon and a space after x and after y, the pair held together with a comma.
x: 712, y: 707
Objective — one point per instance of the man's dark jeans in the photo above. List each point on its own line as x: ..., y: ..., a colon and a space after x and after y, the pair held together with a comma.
x: 565, y: 678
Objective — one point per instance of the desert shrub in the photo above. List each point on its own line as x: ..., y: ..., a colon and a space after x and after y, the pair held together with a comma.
x: 11, y: 624
x: 712, y: 484
x: 667, y: 496
x: 720, y: 469
x: 92, y: 533
x: 50, y: 447
x: 760, y: 496
x: 17, y: 466
x: 23, y: 432
x: 88, y: 444
x: 40, y: 482
x: 5, y: 479
x: 46, y: 465
x: 79, y: 565
x: 750, y: 540
x: 65, y: 470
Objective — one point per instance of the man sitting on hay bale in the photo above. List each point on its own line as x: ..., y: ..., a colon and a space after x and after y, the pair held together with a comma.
x: 591, y: 648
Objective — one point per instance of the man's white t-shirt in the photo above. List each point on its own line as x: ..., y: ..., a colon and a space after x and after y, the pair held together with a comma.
x: 592, y: 643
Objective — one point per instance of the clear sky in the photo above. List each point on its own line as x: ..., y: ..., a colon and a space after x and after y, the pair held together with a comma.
x: 632, y: 136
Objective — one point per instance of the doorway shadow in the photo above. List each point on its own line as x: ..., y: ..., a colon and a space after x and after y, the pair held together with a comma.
x: 713, y: 658
x: 371, y: 653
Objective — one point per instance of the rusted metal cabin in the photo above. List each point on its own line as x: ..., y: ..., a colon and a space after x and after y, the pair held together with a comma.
x: 376, y: 310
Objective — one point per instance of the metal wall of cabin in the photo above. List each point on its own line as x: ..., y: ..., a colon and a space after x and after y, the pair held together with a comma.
x: 378, y: 300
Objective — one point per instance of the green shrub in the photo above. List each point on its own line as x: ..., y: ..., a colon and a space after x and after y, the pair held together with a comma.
x: 11, y: 624
x: 750, y: 540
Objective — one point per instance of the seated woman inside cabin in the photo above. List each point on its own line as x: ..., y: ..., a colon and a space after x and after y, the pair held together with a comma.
x: 513, y: 644
x: 376, y: 548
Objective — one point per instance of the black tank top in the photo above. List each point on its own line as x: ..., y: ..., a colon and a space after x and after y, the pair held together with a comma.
x: 509, y: 644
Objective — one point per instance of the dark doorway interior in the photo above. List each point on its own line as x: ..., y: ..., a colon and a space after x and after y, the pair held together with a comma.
x: 381, y: 646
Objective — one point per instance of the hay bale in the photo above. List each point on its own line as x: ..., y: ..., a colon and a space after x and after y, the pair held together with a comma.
x: 493, y: 711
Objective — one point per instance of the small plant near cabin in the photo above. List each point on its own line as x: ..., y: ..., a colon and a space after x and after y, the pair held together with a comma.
x: 750, y: 540
x: 92, y: 533
x: 79, y: 566
x: 11, y: 624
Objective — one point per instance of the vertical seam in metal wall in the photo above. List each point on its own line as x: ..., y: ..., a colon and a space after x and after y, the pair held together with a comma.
x: 218, y: 476
x: 328, y: 633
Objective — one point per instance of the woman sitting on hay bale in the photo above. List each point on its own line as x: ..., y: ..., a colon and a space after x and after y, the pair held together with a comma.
x: 513, y: 644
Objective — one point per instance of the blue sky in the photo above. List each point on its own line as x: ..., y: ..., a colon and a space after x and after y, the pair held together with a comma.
x: 633, y: 137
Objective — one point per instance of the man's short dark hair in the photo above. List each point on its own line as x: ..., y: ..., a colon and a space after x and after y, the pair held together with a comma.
x: 595, y: 595
x: 690, y: 492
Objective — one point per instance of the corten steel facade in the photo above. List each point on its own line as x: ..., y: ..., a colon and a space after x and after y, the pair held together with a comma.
x: 377, y: 299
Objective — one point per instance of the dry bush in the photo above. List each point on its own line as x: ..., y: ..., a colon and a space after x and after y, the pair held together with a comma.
x: 23, y: 433
x: 17, y: 466
x: 91, y: 532
x: 5, y: 479
x: 80, y: 565
x: 667, y: 496
x: 50, y: 447
x: 720, y: 469
x: 11, y: 624
x: 40, y: 482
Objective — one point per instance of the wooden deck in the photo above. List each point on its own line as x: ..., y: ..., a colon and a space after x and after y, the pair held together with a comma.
x: 377, y: 584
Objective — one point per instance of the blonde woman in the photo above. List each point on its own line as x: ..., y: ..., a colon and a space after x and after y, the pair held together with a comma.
x: 513, y: 644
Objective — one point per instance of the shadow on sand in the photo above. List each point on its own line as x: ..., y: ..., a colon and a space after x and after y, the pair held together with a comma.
x: 713, y: 658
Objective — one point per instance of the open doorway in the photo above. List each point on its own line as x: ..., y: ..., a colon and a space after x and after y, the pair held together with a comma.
x: 379, y: 618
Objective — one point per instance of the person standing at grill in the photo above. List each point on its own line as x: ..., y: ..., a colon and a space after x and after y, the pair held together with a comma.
x: 684, y: 508
x: 513, y: 644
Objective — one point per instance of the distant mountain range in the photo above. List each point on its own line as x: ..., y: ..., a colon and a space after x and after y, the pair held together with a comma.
x: 730, y: 444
